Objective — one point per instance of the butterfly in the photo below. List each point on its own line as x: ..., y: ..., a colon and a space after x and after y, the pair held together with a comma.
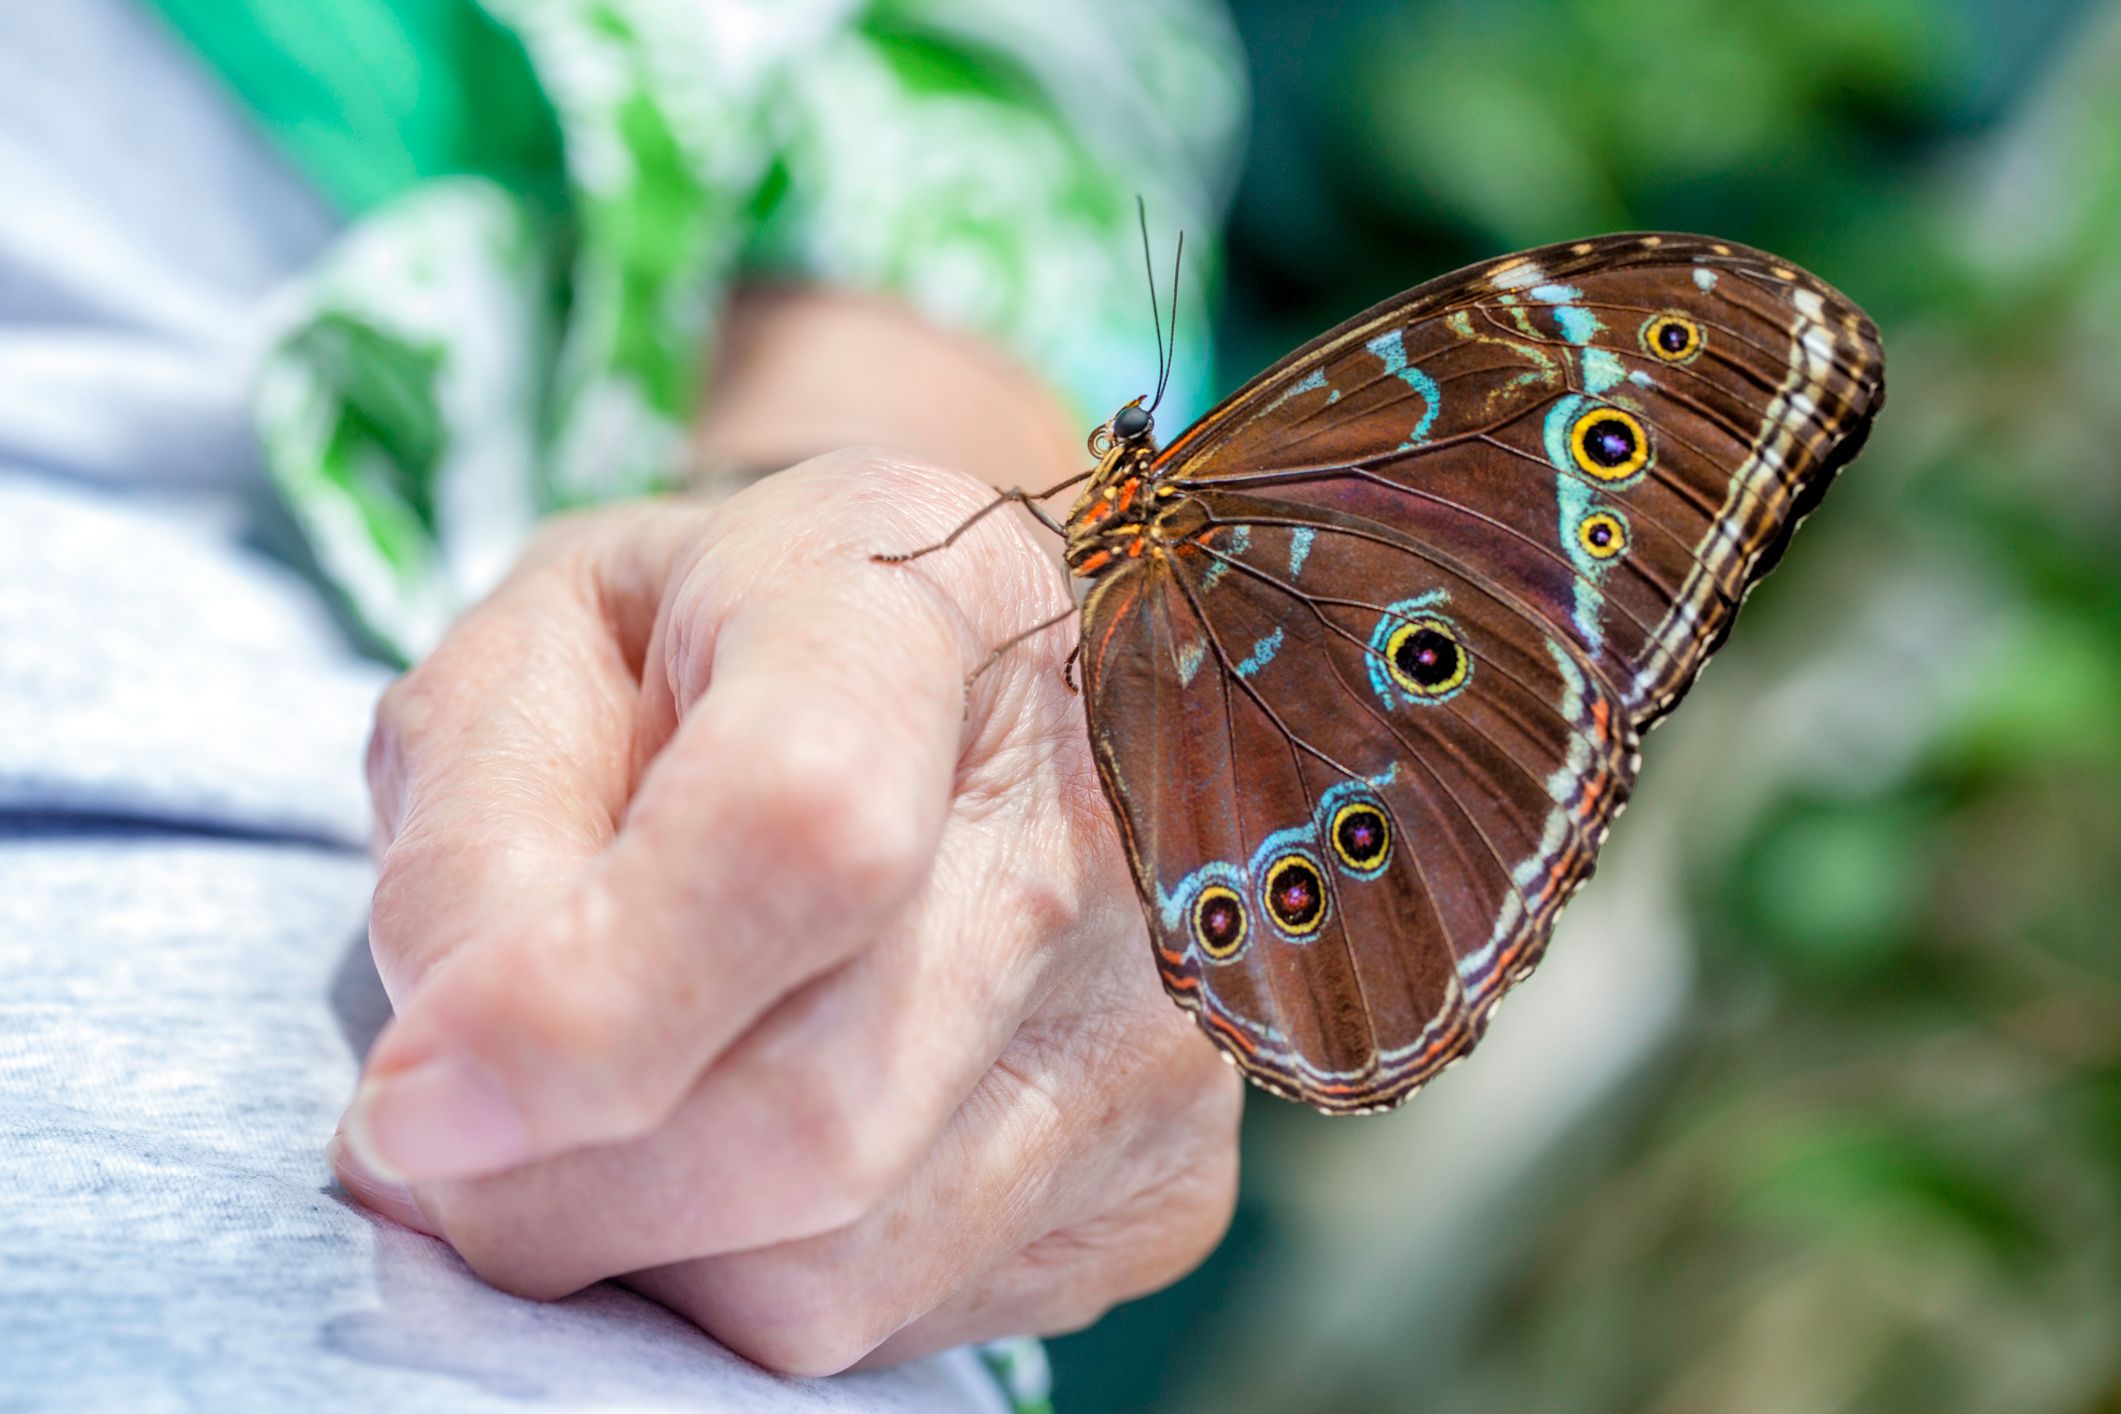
x: 1368, y: 651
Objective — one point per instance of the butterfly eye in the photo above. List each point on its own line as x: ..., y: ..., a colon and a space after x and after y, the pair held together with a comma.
x: 1130, y: 423
x: 1671, y: 337
x: 1602, y: 535
x: 1219, y: 922
x: 1362, y: 837
x: 1296, y: 894
x: 1609, y: 444
x: 1426, y: 658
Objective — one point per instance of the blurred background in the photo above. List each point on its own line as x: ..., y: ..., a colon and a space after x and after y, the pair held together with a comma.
x: 1817, y: 1103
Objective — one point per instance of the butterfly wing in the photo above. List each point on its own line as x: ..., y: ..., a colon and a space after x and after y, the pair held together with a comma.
x: 1346, y: 851
x: 1627, y: 430
x: 1558, y: 472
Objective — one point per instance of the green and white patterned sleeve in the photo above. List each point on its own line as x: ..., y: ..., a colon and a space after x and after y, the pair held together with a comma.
x: 472, y: 358
x: 983, y: 160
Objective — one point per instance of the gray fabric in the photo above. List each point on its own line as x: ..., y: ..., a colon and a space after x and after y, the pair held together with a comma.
x: 143, y: 228
x: 179, y: 1017
x: 185, y: 988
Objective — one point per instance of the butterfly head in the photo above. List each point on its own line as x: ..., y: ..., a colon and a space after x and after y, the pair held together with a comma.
x: 1132, y: 424
x: 1126, y: 436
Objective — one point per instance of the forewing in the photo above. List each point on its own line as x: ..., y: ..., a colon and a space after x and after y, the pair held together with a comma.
x: 1618, y: 434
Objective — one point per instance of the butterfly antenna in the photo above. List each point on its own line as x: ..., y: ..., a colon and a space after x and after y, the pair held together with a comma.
x: 1163, y: 377
x: 1141, y: 211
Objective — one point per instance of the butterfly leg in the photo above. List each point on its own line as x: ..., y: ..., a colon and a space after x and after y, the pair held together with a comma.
x: 1002, y: 648
x: 1016, y: 495
x: 1068, y: 668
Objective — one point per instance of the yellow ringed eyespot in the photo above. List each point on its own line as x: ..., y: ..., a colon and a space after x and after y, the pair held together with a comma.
x: 1295, y: 894
x: 1219, y: 924
x: 1426, y: 658
x: 1609, y: 444
x: 1361, y: 836
x: 1671, y: 336
x: 1602, y: 535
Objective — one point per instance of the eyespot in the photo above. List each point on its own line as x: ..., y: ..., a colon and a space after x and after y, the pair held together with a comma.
x: 1671, y: 336
x: 1219, y: 923
x: 1426, y: 658
x: 1362, y: 837
x: 1602, y: 535
x: 1295, y: 894
x: 1609, y: 444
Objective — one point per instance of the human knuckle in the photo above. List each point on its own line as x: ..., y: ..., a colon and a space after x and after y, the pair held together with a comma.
x: 384, y: 760
x: 417, y: 868
x: 816, y: 1353
x: 1161, y: 1040
x: 1175, y: 1215
x: 557, y: 1014
x: 803, y: 1317
x: 592, y: 1033
x: 845, y: 1150
x: 691, y: 628
x: 403, y: 711
x: 630, y: 1101
x: 1127, y: 1060
x: 412, y: 723
x: 823, y: 795
x: 500, y: 1241
x: 1198, y: 1070
x: 1183, y: 1214
x: 1154, y: 1239
x: 621, y: 1041
x: 583, y: 1079
x: 1073, y: 1292
x: 1075, y: 1301
x: 394, y: 911
x: 1046, y: 905
x: 1207, y: 1202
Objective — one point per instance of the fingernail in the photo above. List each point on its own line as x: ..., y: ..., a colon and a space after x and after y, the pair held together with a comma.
x: 444, y: 1118
x: 395, y: 1201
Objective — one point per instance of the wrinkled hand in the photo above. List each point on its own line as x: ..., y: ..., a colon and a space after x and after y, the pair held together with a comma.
x: 736, y: 951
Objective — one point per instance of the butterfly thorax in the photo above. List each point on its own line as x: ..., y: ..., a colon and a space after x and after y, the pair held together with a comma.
x: 1124, y: 514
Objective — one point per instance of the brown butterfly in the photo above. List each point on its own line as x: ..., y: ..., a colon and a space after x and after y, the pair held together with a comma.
x: 1368, y: 650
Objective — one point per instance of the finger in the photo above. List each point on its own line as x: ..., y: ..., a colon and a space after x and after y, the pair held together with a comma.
x: 1029, y: 1153
x: 1001, y: 578
x: 821, y: 1110
x: 499, y: 764
x: 796, y: 806
x: 496, y: 767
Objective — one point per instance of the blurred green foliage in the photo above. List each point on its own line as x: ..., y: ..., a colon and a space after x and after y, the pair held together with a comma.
x: 1881, y: 1169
